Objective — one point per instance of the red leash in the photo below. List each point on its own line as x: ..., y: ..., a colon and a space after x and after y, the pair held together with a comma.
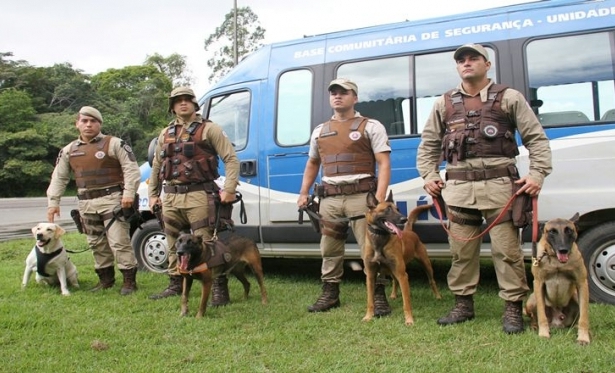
x: 534, y: 230
x: 495, y: 222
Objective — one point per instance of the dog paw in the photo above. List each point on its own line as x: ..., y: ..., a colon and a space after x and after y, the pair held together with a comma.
x: 66, y: 294
x: 409, y: 321
x: 544, y: 334
x: 368, y: 317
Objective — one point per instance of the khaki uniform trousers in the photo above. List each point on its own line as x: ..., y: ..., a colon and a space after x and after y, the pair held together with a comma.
x: 184, y: 208
x: 114, y: 245
x: 332, y: 250
x: 506, y: 252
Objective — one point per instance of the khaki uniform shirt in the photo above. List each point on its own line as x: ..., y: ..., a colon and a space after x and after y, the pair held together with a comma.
x: 220, y: 142
x: 62, y: 172
x: 486, y: 194
x: 379, y: 140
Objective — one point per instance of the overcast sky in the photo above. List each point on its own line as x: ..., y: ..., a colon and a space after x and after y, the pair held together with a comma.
x: 95, y: 35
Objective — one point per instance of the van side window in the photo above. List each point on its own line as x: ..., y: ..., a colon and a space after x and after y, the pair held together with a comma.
x: 294, y: 116
x: 572, y: 78
x: 232, y: 112
x: 384, y: 91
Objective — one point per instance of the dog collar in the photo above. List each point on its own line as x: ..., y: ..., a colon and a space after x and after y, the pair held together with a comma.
x: 198, y: 269
x: 379, y: 231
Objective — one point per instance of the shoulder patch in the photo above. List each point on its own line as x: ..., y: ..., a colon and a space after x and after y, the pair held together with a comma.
x: 128, y: 151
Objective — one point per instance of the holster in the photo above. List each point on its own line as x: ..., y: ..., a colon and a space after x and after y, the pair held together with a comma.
x: 157, y: 210
x: 77, y: 219
x: 521, y: 209
x: 311, y: 209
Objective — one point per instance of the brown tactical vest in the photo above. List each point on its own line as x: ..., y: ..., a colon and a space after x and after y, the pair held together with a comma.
x: 92, y: 166
x: 188, y: 159
x: 477, y: 129
x: 344, y: 149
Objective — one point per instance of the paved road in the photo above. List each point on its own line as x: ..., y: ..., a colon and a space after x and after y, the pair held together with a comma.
x: 19, y: 215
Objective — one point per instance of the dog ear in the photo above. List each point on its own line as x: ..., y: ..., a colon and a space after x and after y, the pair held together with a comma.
x: 372, y: 202
x: 390, y: 196
x: 575, y: 218
x: 34, y: 229
x: 59, y: 232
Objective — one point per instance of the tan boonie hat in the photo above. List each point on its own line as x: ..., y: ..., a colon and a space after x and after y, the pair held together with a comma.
x: 475, y: 48
x: 346, y: 84
x: 91, y: 112
x: 182, y: 91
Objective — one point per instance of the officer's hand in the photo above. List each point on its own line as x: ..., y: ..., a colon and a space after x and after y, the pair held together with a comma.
x: 127, y: 202
x: 52, y: 212
x: 302, y: 200
x: 529, y: 186
x: 433, y: 187
x: 227, y: 197
x: 153, y: 201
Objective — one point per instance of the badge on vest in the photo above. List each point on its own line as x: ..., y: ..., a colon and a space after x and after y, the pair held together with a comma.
x: 99, y: 154
x: 354, y: 135
x: 490, y: 131
x: 332, y: 133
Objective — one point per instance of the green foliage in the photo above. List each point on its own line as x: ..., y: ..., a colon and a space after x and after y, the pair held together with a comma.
x: 107, y: 332
x: 132, y: 100
x: 249, y: 37
x: 16, y: 111
x: 174, y: 67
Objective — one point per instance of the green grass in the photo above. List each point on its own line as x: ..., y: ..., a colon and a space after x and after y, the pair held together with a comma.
x: 105, y: 332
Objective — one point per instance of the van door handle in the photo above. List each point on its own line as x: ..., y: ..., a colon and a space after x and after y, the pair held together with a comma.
x: 247, y: 168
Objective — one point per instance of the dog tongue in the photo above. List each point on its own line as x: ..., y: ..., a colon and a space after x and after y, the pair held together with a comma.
x: 394, y: 228
x: 563, y: 258
x: 183, y: 262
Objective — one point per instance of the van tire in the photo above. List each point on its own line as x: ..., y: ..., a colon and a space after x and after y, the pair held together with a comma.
x: 150, y: 246
x: 598, y: 248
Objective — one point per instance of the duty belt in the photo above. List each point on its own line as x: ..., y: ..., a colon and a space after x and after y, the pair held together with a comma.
x: 91, y: 194
x: 187, y: 188
x: 478, y: 175
x: 363, y: 186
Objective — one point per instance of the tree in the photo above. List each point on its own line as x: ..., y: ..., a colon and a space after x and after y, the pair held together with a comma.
x: 249, y: 37
x: 16, y: 111
x: 173, y: 66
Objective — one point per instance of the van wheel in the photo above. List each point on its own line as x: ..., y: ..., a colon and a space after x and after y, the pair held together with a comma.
x: 598, y: 248
x: 150, y: 245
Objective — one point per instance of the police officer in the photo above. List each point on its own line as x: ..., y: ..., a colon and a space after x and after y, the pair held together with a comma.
x: 186, y: 160
x: 107, y: 177
x: 473, y: 128
x: 348, y: 147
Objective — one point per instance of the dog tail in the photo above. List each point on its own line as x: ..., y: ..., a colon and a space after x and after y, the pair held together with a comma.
x: 414, y: 214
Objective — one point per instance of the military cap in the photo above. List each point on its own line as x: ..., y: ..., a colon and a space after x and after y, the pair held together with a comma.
x: 182, y: 91
x: 344, y: 83
x: 475, y: 48
x: 91, y: 112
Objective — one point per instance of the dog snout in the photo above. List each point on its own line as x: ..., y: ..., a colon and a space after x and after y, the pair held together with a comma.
x: 40, y: 236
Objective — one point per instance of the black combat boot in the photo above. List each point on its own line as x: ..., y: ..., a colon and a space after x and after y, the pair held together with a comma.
x: 463, y: 311
x: 174, y: 288
x: 513, y: 319
x: 381, y: 305
x: 330, y: 298
x: 130, y: 281
x: 220, y: 295
x: 106, y: 278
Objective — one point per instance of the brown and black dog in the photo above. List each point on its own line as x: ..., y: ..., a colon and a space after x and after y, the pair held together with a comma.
x: 561, y: 292
x: 388, y: 249
x: 197, y: 261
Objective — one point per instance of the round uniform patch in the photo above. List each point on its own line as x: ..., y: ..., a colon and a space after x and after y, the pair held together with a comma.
x: 127, y: 148
x: 490, y: 131
x: 100, y: 154
x: 354, y: 135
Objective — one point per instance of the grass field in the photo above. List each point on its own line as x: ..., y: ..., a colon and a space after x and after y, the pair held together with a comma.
x: 106, y: 332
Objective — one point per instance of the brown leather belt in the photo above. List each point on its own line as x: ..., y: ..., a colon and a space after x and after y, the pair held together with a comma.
x: 363, y: 186
x: 478, y: 175
x: 91, y: 194
x: 187, y: 188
